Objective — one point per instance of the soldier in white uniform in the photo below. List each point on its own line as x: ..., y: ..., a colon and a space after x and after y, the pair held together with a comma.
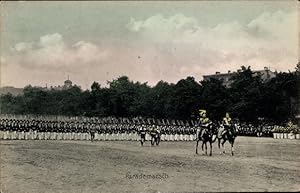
x: 5, y: 129
x: 176, y: 132
x: 59, y: 130
x: 1, y: 129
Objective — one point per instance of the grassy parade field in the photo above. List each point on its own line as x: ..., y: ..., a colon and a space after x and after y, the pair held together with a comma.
x: 259, y: 164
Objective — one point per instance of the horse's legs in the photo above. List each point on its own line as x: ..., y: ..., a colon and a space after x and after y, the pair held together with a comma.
x: 210, y: 153
x: 158, y: 141
x: 219, y: 142
x: 223, y: 145
x: 151, y: 141
x: 202, y: 148
x: 205, y: 148
x: 232, y: 149
x: 197, y: 146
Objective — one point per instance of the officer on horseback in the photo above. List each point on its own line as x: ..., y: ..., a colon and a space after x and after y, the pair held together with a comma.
x: 155, y: 135
x: 204, y: 122
x: 227, y: 123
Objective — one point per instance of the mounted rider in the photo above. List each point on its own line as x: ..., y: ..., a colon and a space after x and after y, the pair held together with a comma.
x: 227, y: 123
x: 153, y: 130
x: 155, y: 134
x: 204, y: 122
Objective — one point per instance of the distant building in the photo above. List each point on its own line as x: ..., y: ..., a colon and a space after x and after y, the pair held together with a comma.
x: 67, y: 85
x: 265, y: 74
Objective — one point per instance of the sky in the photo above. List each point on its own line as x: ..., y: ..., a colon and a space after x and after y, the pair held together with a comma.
x: 45, y: 42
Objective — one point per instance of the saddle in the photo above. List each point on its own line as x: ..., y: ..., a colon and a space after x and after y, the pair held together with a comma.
x: 153, y: 133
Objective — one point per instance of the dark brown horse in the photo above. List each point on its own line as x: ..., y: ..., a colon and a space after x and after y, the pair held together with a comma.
x: 155, y: 137
x: 229, y: 135
x: 206, y: 137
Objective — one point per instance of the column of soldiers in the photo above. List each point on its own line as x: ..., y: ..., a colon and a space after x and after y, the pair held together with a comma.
x: 43, y: 129
x: 105, y: 129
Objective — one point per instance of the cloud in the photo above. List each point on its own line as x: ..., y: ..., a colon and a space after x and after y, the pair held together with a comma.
x: 268, y: 40
x: 51, y: 40
x: 23, y: 46
x: 51, y: 52
x: 158, y: 28
x: 160, y: 23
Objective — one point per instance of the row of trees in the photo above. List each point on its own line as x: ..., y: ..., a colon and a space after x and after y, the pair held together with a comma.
x: 249, y: 99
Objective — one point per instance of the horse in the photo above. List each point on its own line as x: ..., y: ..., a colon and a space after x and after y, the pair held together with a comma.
x: 142, y: 133
x: 155, y: 137
x: 229, y: 135
x: 207, y: 136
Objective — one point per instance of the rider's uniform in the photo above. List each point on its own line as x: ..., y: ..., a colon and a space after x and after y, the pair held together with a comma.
x: 204, y: 124
x: 227, y: 123
x: 153, y: 131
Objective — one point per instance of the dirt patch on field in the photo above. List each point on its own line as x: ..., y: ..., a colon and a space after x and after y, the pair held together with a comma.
x: 260, y: 164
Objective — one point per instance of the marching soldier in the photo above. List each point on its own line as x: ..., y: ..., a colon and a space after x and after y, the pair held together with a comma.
x: 54, y: 125
x: 1, y: 129
x: 8, y: 129
x: 110, y: 132
x: 177, y: 133
x: 59, y: 130
x: 97, y: 134
x: 116, y: 132
x: 73, y: 131
x: 5, y: 129
x: 48, y: 128
x: 77, y: 132
x: 14, y: 129
x: 18, y: 129
x: 128, y: 132
x: 92, y: 131
x: 135, y: 129
x: 104, y: 131
x: 182, y: 134
x: 85, y: 130
x: 168, y: 132
x: 163, y: 133
x: 173, y: 132
x: 80, y: 130
x: 33, y: 129
x: 28, y: 130
x: 40, y: 130
x: 191, y: 133
x: 64, y: 130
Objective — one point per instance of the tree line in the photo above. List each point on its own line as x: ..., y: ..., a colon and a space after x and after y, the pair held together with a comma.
x: 249, y: 99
